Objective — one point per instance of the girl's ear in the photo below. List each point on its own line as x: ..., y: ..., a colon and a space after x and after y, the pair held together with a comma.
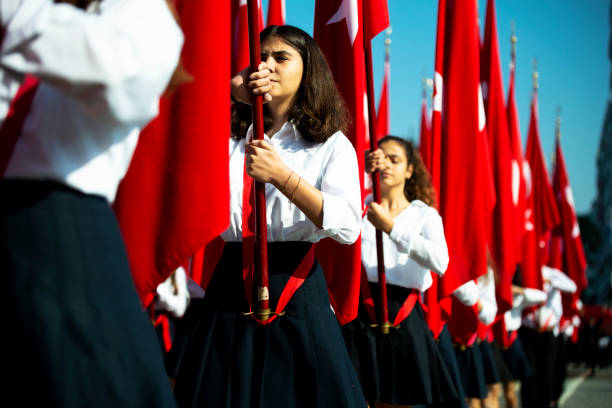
x: 409, y: 171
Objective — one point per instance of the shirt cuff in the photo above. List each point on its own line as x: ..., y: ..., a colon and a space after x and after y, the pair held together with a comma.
x: 339, y: 222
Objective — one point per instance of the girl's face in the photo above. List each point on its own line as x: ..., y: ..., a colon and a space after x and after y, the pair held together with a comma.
x: 286, y: 68
x: 397, y: 169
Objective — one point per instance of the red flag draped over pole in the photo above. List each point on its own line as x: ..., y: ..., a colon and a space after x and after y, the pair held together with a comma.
x: 373, y: 24
x: 382, y: 118
x: 168, y: 205
x: 276, y: 12
x: 501, y: 229
x: 240, y: 34
x: 518, y: 181
x: 541, y: 214
x: 433, y: 316
x: 338, y: 31
x: 425, y: 132
x: 574, y: 260
x: 465, y: 186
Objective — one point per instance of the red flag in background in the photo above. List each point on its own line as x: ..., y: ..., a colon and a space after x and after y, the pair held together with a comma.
x: 438, y: 87
x: 501, y: 229
x: 337, y: 31
x: 382, y: 118
x: 574, y: 260
x: 425, y: 134
x: 518, y: 181
x: 541, y: 214
x: 431, y: 156
x: 276, y: 12
x: 466, y: 196
x: 175, y: 196
x: 375, y: 17
x: 240, y: 34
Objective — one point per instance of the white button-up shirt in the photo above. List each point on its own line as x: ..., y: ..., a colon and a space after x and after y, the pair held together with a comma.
x: 520, y: 301
x: 331, y: 167
x: 101, y: 78
x: 415, y: 246
x: 482, y: 289
x: 548, y: 316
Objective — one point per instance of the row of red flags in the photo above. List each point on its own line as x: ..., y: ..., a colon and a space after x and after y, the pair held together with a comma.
x: 490, y: 197
x: 531, y: 222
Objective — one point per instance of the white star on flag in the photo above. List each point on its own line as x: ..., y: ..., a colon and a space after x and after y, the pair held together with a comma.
x: 348, y: 11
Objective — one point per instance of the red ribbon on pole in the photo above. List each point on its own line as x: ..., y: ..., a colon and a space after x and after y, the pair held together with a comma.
x: 262, y: 311
x: 383, y: 309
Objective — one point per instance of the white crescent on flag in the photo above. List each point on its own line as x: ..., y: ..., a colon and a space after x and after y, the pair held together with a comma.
x: 482, y: 119
x: 348, y: 11
x: 437, y: 98
x: 569, y: 197
x: 516, y: 182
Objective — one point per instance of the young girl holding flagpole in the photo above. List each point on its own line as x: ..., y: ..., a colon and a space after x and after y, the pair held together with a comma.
x: 405, y: 366
x: 224, y: 356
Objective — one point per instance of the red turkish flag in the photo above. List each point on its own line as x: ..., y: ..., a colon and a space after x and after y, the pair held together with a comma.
x: 382, y: 118
x: 574, y: 261
x: 541, y: 214
x: 425, y: 137
x: 375, y: 17
x: 518, y: 181
x: 466, y: 191
x: 276, y: 12
x: 240, y: 34
x: 337, y: 30
x: 175, y: 196
x: 501, y: 229
x: 431, y: 156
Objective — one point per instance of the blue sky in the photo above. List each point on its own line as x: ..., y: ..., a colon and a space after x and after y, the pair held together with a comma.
x: 568, y: 38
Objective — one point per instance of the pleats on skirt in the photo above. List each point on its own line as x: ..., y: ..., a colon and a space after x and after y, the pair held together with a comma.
x: 76, y: 331
x: 222, y: 358
x: 516, y: 360
x: 403, y: 367
x: 488, y: 361
x: 472, y: 371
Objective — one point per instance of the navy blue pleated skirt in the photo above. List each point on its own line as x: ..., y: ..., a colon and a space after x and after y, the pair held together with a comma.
x: 516, y: 360
x: 221, y: 358
x: 472, y: 372
x: 488, y: 361
x: 445, y: 345
x: 403, y: 367
x: 77, y: 334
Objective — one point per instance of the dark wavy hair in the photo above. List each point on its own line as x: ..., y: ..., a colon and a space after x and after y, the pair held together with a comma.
x: 419, y: 186
x: 319, y: 110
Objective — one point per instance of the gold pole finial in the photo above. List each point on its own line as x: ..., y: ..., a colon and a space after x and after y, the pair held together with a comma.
x: 388, y: 32
x: 513, y: 41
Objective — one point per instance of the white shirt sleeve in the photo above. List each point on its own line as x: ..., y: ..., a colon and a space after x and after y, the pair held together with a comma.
x: 467, y: 293
x: 102, y: 60
x: 533, y: 297
x: 341, y: 195
x: 173, y: 294
x: 486, y: 289
x: 558, y: 279
x: 427, y: 247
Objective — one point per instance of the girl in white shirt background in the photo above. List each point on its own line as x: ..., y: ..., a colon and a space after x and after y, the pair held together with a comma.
x: 221, y: 357
x: 404, y: 366
x: 78, y: 336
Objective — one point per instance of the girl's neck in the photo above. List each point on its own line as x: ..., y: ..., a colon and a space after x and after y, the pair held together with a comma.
x: 280, y: 115
x: 394, y: 199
